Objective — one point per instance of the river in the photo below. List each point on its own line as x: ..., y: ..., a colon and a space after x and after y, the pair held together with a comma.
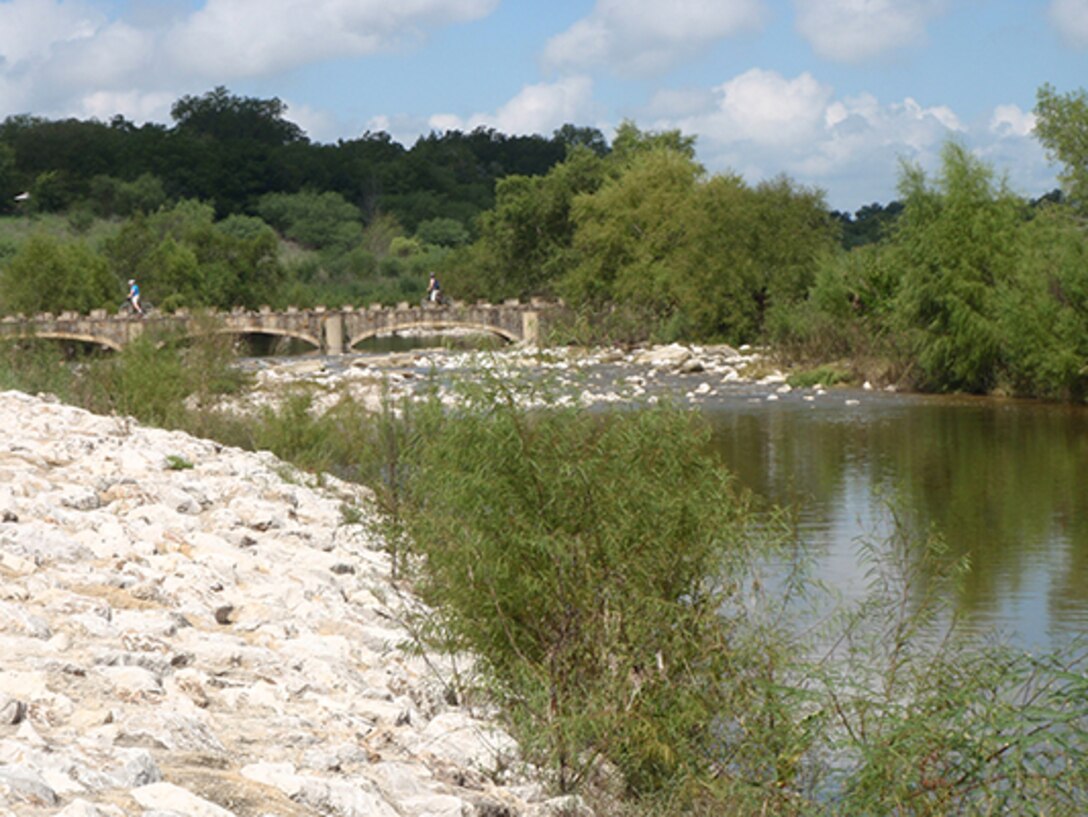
x: 1003, y: 482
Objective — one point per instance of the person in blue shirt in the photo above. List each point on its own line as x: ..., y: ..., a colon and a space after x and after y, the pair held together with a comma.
x: 134, y: 296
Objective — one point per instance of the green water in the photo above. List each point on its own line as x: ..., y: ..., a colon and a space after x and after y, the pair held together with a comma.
x: 1004, y: 482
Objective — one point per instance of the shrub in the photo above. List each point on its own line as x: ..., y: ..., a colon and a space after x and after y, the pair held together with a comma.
x: 588, y: 559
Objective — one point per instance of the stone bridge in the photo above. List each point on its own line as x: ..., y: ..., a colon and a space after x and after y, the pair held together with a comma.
x: 328, y: 331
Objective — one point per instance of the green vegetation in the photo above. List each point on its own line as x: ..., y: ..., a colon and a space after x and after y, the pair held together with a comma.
x: 175, y: 462
x: 972, y: 291
x: 588, y: 560
x: 827, y: 375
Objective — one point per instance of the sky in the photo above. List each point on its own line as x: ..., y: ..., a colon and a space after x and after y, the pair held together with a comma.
x: 835, y: 94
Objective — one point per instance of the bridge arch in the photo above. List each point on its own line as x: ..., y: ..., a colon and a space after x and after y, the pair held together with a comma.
x: 435, y: 326
x: 75, y: 337
x: 251, y: 331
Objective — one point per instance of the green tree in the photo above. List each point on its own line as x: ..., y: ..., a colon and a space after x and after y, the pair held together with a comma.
x: 525, y: 240
x: 442, y: 232
x: 225, y: 117
x: 634, y: 233
x: 230, y: 149
x: 183, y: 257
x: 955, y: 244
x: 8, y: 178
x: 630, y: 140
x: 49, y: 274
x: 574, y: 137
x: 1043, y: 309
x: 109, y: 196
x: 1062, y: 128
x: 706, y: 258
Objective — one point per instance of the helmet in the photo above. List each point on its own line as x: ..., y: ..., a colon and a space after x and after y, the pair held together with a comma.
x: 131, y: 282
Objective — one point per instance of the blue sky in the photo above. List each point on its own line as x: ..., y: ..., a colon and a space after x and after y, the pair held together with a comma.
x: 832, y: 93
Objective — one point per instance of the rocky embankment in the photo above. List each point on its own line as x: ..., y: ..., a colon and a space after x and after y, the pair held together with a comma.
x: 189, y: 629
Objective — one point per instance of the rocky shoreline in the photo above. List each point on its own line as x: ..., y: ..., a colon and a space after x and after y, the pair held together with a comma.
x: 690, y: 373
x: 190, y: 629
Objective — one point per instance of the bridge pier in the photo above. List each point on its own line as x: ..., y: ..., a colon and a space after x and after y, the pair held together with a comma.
x: 332, y: 333
x: 530, y: 328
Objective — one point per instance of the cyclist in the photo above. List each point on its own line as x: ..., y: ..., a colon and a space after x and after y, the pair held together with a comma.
x: 434, y: 291
x: 134, y: 296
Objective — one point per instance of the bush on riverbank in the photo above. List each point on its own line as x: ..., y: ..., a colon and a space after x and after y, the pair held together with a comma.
x: 590, y: 561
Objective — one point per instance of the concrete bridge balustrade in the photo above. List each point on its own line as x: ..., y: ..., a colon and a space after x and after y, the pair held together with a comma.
x: 328, y: 331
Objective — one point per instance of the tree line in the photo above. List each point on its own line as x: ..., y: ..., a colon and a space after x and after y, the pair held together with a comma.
x: 963, y: 285
x: 960, y: 284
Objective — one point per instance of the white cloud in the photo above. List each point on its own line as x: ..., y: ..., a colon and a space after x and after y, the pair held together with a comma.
x: 643, y: 36
x: 1010, y: 120
x: 536, y: 109
x: 761, y: 123
x: 1070, y: 18
x: 857, y: 30
x: 135, y: 106
x: 318, y: 125
x: 71, y: 58
x: 764, y: 107
x: 259, y: 37
x: 30, y: 29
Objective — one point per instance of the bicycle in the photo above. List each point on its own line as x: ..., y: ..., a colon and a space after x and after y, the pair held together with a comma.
x: 439, y: 299
x: 127, y: 310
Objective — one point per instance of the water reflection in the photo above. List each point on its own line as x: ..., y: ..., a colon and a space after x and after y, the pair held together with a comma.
x: 1002, y: 482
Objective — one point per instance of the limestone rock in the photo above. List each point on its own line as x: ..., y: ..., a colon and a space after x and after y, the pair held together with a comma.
x: 213, y: 641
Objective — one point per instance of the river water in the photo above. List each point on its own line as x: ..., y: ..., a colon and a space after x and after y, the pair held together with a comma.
x: 1003, y: 482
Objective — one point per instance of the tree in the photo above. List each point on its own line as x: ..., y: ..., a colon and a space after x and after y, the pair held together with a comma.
x: 633, y: 235
x: 868, y: 225
x: 1043, y: 309
x: 1062, y: 127
x: 183, y: 257
x: 705, y: 257
x: 574, y: 137
x: 629, y: 140
x: 442, y: 232
x: 955, y: 243
x: 224, y: 117
x: 525, y: 240
x: 8, y: 181
x: 48, y: 274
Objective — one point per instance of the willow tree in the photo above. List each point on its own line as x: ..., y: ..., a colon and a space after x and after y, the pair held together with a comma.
x: 956, y: 245
x: 1062, y: 128
x: 633, y: 236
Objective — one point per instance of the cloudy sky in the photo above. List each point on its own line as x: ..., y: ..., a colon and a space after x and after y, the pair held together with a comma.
x: 833, y: 93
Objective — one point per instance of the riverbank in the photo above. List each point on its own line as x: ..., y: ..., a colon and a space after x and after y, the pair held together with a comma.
x: 188, y: 628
